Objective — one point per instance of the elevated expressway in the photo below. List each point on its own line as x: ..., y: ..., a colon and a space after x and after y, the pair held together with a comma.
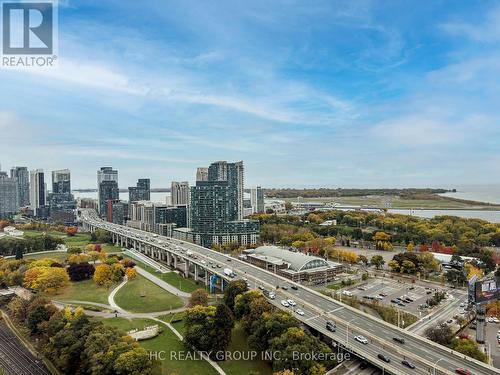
x: 193, y: 260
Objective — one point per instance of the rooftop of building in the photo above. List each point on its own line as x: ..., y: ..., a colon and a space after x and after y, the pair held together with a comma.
x: 296, y: 261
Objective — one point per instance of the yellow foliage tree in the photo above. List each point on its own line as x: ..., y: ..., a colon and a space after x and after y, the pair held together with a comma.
x: 46, y: 279
x: 131, y: 273
x: 473, y: 271
x: 103, y: 275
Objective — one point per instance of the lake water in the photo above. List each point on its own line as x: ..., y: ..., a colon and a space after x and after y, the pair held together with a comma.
x: 155, y: 197
x: 480, y: 193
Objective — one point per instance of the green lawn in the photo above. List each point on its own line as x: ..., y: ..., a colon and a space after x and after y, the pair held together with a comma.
x: 85, y: 290
x: 243, y: 367
x: 173, y: 278
x: 57, y: 255
x: 168, y: 344
x: 141, y: 295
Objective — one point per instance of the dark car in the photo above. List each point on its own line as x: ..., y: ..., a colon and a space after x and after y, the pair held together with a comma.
x: 261, y: 287
x: 363, y: 365
x: 399, y: 339
x: 284, y: 287
x: 408, y: 364
x: 294, y: 287
x: 331, y: 326
x: 462, y: 371
x: 384, y: 358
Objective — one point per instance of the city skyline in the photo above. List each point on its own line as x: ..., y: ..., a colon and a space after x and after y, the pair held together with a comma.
x: 309, y: 96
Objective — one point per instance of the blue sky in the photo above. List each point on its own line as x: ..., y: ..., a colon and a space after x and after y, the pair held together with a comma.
x: 307, y: 93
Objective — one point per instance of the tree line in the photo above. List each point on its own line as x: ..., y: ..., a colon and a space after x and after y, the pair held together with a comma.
x: 271, y: 330
x: 75, y: 344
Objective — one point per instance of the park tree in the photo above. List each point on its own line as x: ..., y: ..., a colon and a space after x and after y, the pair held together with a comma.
x: 468, y: 347
x: 296, y: 340
x: 46, y: 279
x: 428, y: 262
x: 71, y: 231
x: 378, y: 261
x: 473, y: 271
x: 198, y: 298
x: 133, y: 362
x: 19, y: 253
x: 80, y: 271
x: 394, y: 265
x: 18, y: 309
x: 408, y: 266
x: 38, y: 315
x: 78, y: 258
x: 131, y: 273
x: 363, y: 260
x: 221, y: 327
x: 198, y: 322
x: 271, y: 325
x: 441, y: 334
x: 232, y: 290
x: 103, y: 275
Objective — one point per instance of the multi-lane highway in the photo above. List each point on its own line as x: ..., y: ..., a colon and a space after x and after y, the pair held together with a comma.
x: 428, y: 357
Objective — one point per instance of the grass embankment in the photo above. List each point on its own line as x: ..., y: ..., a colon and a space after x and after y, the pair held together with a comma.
x: 173, y: 278
x: 142, y: 296
x: 86, y: 290
x: 168, y: 345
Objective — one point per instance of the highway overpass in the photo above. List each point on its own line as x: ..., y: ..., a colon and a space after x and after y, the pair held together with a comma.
x: 203, y: 264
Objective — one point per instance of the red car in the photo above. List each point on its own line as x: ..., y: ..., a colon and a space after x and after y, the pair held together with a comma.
x: 461, y: 371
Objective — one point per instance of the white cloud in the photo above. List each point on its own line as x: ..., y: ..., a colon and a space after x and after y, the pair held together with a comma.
x: 485, y: 31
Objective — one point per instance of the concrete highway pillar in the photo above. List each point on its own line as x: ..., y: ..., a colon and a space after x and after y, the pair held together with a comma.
x: 186, y: 268
x: 175, y: 261
x: 195, y: 272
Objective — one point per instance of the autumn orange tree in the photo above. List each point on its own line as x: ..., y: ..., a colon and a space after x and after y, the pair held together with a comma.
x: 71, y: 231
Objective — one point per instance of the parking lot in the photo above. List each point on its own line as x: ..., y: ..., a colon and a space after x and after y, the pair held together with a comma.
x: 386, y: 290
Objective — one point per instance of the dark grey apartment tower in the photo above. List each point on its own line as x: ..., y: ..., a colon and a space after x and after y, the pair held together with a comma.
x: 61, y: 181
x: 61, y: 202
x: 38, y: 193
x: 23, y: 184
x: 9, y: 194
x: 107, y: 188
x: 233, y: 173
x: 140, y: 192
x: 216, y: 208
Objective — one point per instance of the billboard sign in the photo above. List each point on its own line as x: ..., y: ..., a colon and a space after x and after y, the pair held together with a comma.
x: 487, y: 290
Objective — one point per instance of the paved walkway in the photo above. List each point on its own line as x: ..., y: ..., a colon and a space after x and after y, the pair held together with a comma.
x: 111, y: 296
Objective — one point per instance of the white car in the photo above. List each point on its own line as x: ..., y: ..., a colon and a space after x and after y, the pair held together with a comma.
x: 495, y: 320
x: 361, y: 339
x: 272, y: 295
x: 347, y: 293
x: 299, y: 312
x: 285, y: 303
x: 291, y: 302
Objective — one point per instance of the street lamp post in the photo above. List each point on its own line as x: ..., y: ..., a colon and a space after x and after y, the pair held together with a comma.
x: 347, y: 331
x: 435, y: 364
